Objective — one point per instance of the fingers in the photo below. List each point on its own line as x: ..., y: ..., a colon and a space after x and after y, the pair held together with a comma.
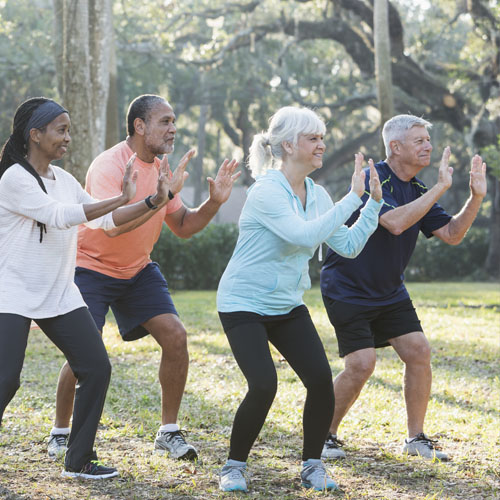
x: 476, y: 163
x: 185, y: 159
x: 130, y: 162
x: 373, y: 170
x: 358, y: 162
x: 446, y: 156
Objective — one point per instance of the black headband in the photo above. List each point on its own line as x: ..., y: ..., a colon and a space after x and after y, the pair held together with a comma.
x: 42, y: 115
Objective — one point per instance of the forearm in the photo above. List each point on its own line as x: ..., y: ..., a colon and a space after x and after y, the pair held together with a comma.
x: 195, y: 219
x: 461, y: 222
x: 401, y: 218
x: 131, y: 217
x: 98, y: 209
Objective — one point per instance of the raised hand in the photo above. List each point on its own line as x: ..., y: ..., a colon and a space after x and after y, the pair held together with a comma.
x: 358, y: 178
x: 179, y: 175
x: 129, y: 179
x: 375, y: 187
x: 478, y: 177
x: 220, y: 188
x: 445, y: 174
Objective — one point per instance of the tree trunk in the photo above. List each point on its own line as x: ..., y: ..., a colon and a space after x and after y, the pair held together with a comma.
x: 112, y: 115
x: 200, y: 155
x: 84, y: 75
x: 383, y: 73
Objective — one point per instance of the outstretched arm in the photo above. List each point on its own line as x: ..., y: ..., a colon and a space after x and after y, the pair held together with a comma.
x: 188, y: 221
x: 399, y: 219
x: 454, y: 232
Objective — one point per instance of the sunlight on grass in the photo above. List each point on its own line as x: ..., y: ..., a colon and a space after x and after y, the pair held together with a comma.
x: 460, y: 320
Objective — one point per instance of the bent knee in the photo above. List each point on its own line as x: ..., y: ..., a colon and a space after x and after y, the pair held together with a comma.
x: 263, y: 390
x: 360, y: 365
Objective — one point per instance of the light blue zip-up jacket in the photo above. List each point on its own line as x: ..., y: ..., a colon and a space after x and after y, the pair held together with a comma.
x: 269, y: 269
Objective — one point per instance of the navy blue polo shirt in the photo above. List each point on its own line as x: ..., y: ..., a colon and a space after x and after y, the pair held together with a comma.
x: 375, y: 276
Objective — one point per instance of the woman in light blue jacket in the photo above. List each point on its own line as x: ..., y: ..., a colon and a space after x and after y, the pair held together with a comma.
x: 284, y: 220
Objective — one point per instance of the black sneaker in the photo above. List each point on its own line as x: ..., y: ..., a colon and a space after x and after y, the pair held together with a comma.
x: 91, y: 470
x: 333, y: 448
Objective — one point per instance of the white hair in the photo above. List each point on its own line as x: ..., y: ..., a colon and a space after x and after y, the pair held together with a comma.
x: 286, y: 124
x: 397, y: 127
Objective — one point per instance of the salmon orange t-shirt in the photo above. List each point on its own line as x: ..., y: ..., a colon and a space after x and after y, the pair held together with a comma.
x: 127, y: 254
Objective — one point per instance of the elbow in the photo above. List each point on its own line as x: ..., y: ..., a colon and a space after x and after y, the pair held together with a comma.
x: 396, y: 230
x: 455, y: 241
x: 112, y: 233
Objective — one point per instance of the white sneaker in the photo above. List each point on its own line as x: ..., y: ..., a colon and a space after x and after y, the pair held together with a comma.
x: 315, y: 476
x: 175, y: 445
x: 232, y: 478
x: 57, y: 445
x: 332, y: 448
x: 424, y: 447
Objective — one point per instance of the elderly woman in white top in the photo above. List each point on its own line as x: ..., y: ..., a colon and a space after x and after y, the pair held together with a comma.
x: 41, y: 206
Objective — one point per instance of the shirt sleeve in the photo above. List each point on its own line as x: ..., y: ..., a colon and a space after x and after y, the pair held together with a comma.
x: 20, y: 193
x: 105, y: 221
x: 273, y: 209
x: 434, y: 219
x: 349, y: 241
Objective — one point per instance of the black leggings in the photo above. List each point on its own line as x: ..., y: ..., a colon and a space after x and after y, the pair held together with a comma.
x: 76, y: 335
x: 296, y: 338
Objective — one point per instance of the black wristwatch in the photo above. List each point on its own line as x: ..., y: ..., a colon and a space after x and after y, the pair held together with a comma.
x: 149, y: 203
x: 170, y: 195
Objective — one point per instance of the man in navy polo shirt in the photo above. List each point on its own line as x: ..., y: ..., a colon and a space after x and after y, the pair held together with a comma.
x: 366, y: 299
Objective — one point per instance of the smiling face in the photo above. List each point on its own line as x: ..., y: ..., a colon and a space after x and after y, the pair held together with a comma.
x: 415, y: 150
x: 160, y: 129
x: 308, y: 152
x: 54, y: 138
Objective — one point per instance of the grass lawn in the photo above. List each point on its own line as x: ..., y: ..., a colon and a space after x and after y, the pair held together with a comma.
x: 461, y: 320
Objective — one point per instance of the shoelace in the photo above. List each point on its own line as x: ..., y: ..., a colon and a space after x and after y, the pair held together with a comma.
x: 431, y: 443
x: 333, y: 442
x: 60, y: 439
x: 235, y: 473
x: 179, y: 436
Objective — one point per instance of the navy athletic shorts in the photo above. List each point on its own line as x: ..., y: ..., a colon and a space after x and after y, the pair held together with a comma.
x: 360, y: 327
x: 133, y: 301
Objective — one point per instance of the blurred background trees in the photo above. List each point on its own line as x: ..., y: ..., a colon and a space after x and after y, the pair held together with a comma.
x: 227, y: 66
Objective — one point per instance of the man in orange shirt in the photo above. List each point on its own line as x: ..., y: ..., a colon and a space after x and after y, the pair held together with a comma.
x: 114, y: 268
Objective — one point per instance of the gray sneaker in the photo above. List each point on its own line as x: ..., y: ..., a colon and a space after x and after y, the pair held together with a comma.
x: 232, y: 478
x: 57, y: 446
x: 424, y: 447
x: 332, y: 448
x: 315, y: 476
x: 175, y: 445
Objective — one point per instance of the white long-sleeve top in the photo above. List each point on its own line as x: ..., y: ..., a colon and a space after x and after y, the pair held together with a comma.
x: 36, y: 279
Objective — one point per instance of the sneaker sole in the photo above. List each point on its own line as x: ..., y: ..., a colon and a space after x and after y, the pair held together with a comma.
x: 236, y: 488
x: 66, y: 473
x: 309, y: 486
x: 336, y: 457
x: 189, y: 455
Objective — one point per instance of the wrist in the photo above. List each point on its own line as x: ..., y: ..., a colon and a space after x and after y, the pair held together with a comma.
x: 150, y: 202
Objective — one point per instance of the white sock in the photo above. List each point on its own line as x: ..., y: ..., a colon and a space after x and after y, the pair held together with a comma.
x: 169, y: 428
x: 60, y: 430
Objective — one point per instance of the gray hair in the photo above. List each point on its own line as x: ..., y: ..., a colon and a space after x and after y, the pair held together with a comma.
x: 397, y: 127
x: 286, y: 124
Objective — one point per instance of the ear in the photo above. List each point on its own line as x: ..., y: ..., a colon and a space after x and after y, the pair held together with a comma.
x: 395, y: 147
x: 287, y: 147
x: 139, y: 126
x: 35, y: 135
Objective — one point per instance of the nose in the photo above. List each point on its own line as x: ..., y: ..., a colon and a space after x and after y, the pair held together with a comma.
x: 67, y: 137
x: 173, y: 128
x: 322, y: 145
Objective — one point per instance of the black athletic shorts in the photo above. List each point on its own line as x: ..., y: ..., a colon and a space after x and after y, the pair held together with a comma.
x: 360, y: 327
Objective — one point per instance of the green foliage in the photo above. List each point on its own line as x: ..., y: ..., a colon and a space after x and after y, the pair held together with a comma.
x: 434, y: 260
x: 198, y: 262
